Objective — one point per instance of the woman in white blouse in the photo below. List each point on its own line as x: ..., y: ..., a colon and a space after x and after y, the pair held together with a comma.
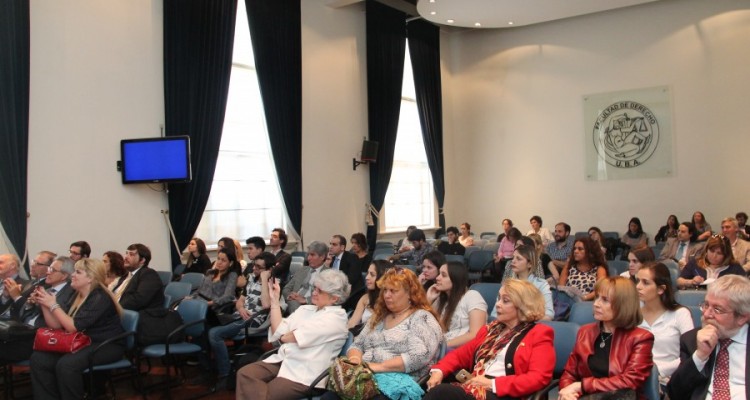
x: 310, y: 338
x: 666, y: 319
x: 462, y: 311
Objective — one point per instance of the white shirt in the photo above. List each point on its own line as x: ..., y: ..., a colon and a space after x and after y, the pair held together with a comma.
x: 545, y: 234
x: 667, y: 330
x: 320, y: 336
x: 459, y: 323
x: 736, y: 365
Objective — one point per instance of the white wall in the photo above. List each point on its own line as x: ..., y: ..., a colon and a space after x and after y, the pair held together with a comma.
x: 516, y: 99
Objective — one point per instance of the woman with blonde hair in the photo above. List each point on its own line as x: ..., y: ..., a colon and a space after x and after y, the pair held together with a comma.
x: 95, y: 311
x: 613, y: 353
x: 512, y: 357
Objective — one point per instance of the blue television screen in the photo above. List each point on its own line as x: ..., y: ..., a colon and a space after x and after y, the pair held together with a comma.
x: 156, y: 160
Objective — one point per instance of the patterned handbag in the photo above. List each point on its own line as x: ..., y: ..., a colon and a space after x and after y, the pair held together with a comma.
x: 351, y: 381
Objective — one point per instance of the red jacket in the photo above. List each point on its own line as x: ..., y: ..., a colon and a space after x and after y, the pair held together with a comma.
x: 630, y: 360
x: 530, y: 370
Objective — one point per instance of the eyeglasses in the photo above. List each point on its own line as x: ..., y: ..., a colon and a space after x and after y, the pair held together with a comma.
x: 74, y: 253
x: 319, y: 290
x: 37, y: 263
x: 51, y: 270
x: 714, y: 310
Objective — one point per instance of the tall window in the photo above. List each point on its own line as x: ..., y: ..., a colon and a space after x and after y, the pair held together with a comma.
x: 245, y: 198
x: 410, y: 199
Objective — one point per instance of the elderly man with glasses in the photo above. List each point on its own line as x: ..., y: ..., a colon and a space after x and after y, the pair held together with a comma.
x: 714, y: 357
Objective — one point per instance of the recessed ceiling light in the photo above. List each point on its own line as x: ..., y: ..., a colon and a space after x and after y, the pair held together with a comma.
x: 510, y: 22
x: 432, y: 1
x: 477, y: 24
x: 450, y: 21
x: 433, y: 12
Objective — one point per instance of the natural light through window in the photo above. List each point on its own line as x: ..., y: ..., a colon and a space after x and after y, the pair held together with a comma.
x: 410, y: 199
x: 245, y: 199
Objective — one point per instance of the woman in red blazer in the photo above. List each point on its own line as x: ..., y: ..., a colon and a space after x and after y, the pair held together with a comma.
x: 613, y: 353
x: 510, y: 357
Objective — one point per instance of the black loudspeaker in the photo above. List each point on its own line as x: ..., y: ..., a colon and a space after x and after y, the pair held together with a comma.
x: 369, y: 151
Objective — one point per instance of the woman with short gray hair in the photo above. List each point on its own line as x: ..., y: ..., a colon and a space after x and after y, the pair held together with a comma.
x: 310, y: 339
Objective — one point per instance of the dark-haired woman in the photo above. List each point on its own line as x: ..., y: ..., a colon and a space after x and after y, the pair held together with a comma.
x: 584, y: 268
x: 702, y: 228
x: 635, y: 236
x: 715, y: 261
x: 198, y: 260
x: 219, y: 283
x: 669, y: 230
x: 117, y: 276
x: 363, y: 311
x: 637, y: 258
x: 462, y: 311
x: 359, y: 248
x: 662, y: 316
x: 430, y: 268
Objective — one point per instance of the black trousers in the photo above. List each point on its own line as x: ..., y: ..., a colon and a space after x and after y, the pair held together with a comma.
x: 60, y: 376
x: 446, y: 391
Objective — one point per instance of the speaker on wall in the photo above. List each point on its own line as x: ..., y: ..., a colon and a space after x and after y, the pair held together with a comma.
x: 369, y: 154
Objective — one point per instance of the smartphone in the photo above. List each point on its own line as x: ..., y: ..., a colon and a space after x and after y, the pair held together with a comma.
x: 463, y: 375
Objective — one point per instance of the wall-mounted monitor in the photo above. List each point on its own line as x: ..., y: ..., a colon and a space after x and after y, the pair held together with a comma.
x: 155, y: 160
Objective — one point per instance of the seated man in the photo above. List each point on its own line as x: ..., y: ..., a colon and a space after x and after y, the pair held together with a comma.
x: 299, y: 289
x: 145, y: 290
x: 683, y: 248
x: 420, y: 247
x: 9, y: 264
x: 740, y: 248
x: 713, y: 357
x: 452, y: 245
x: 559, y: 250
x: 252, y: 310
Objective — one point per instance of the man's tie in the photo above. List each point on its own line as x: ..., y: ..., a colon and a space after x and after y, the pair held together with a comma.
x: 680, y: 251
x: 721, y: 372
x: 336, y: 261
x: 52, y: 291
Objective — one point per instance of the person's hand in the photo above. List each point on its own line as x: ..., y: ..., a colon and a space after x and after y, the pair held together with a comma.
x: 274, y: 291
x: 264, y: 275
x: 706, y: 340
x: 44, y: 298
x: 570, y: 392
x: 436, y: 378
x: 12, y: 289
x: 432, y: 293
x: 697, y: 280
x: 244, y: 314
x: 480, y: 381
x: 241, y: 281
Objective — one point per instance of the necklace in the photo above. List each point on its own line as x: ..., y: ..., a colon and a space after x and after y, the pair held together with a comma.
x: 400, y: 313
x: 604, y: 336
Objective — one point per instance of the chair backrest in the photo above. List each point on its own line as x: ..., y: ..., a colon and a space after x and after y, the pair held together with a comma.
x: 299, y: 254
x: 381, y: 256
x: 298, y: 259
x: 696, y: 313
x: 618, y: 266
x: 480, y: 242
x: 690, y: 297
x: 193, y: 278
x: 488, y: 235
x: 166, y: 277
x: 651, y: 386
x: 455, y: 257
x: 383, y: 250
x: 177, y: 290
x: 167, y: 301
x: 179, y: 269
x: 294, y: 267
x: 347, y: 344
x: 491, y: 247
x: 384, y: 244
x: 193, y: 310
x: 565, y: 340
x: 129, y: 320
x: 582, y: 312
x: 469, y: 250
x: 489, y: 294
x: 611, y: 234
x: 579, y: 235
x: 479, y: 260
x: 674, y: 271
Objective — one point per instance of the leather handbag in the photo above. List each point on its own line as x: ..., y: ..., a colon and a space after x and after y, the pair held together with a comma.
x: 60, y: 341
x: 351, y: 381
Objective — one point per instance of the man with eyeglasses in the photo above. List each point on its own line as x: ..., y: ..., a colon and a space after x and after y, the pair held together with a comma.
x: 9, y: 264
x: 39, y: 265
x: 145, y: 290
x: 714, y: 357
x: 79, y: 250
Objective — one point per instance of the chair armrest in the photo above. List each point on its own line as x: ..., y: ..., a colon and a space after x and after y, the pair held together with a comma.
x: 269, y: 353
x: 104, y: 343
x: 178, y: 330
x: 544, y: 393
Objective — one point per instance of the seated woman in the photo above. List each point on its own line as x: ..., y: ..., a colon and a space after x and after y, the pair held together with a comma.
x: 662, y: 316
x: 430, y: 268
x: 637, y: 257
x: 524, y: 266
x: 544, y: 258
x: 669, y: 230
x: 613, y: 353
x: 466, y: 239
x: 218, y: 286
x: 702, y: 228
x: 310, y: 338
x: 505, y: 250
x: 359, y: 248
x: 512, y: 357
x: 596, y: 235
x: 584, y: 268
x: 634, y: 236
x: 462, y: 311
x: 536, y: 228
x: 198, y: 260
x: 117, y: 276
x: 715, y: 261
x: 363, y: 311
x: 95, y: 311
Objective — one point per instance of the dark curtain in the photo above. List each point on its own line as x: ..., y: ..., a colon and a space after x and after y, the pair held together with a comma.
x: 386, y: 44
x: 424, y: 48
x: 14, y: 119
x: 276, y: 31
x: 198, y: 43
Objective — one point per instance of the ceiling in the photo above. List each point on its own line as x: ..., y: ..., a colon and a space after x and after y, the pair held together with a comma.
x: 511, y: 13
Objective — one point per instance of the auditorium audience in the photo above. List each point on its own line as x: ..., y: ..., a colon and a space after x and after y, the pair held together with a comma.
x: 634, y: 236
x: 197, y: 260
x: 420, y: 247
x: 560, y: 249
x: 536, y: 227
x: 715, y: 261
x: 145, y: 290
x: 405, y: 244
x: 462, y: 311
x: 117, y: 276
x: 359, y: 248
x: 452, y: 245
x: 702, y: 227
x: 39, y: 266
x: 466, y: 239
x: 585, y: 266
x: 79, y: 250
x: 612, y: 353
x: 662, y: 316
x: 364, y: 309
x: 526, y: 267
x: 299, y: 290
x: 683, y: 248
x: 512, y: 357
x: 637, y: 257
x: 219, y: 283
x: 669, y: 230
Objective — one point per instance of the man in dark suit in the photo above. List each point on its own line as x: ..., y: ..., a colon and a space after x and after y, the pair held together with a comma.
x: 683, y: 248
x: 9, y: 264
x: 283, y: 259
x: 347, y: 263
x: 145, y: 290
x: 714, y: 358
